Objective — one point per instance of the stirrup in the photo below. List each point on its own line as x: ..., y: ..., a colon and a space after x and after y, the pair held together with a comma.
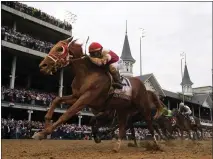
x: 117, y: 85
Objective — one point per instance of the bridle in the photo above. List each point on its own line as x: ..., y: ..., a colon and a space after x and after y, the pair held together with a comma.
x: 66, y: 56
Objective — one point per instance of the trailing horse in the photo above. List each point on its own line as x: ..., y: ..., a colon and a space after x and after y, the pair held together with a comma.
x: 184, y: 124
x: 91, y: 87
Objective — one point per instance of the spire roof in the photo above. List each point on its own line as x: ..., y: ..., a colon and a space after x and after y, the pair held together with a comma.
x: 126, y: 52
x: 186, y: 79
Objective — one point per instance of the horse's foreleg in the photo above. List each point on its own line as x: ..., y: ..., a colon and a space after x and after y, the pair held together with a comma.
x: 149, y: 122
x: 76, y: 107
x: 133, y: 133
x: 201, y: 131
x: 122, y: 119
x: 181, y: 132
x: 156, y: 128
x: 58, y: 100
x: 191, y: 135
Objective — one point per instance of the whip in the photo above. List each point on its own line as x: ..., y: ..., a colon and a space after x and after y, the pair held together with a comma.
x: 86, y: 45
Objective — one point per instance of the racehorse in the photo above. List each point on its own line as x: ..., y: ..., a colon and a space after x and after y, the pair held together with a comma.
x: 168, y: 126
x: 108, y: 118
x: 184, y: 124
x: 91, y: 87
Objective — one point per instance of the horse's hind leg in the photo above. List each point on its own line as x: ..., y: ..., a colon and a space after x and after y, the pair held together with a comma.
x: 70, y: 100
x: 95, y: 125
x: 122, y: 120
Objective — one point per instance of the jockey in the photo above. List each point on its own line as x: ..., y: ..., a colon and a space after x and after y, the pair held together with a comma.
x: 100, y: 57
x: 166, y: 112
x: 185, y: 110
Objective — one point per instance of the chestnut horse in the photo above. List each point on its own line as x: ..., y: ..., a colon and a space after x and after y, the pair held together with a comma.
x: 108, y: 118
x: 90, y: 87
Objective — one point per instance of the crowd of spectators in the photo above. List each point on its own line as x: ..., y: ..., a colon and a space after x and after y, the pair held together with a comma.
x: 38, y: 14
x: 24, y: 96
x: 23, y: 129
x: 25, y: 40
x: 206, y: 121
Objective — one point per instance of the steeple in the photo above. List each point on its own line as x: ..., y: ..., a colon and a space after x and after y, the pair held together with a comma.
x: 186, y: 79
x: 186, y: 82
x: 127, y: 58
x: 126, y: 53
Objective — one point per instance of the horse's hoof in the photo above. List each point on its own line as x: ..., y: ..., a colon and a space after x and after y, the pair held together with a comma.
x: 117, y: 146
x: 38, y: 136
x: 131, y: 145
x: 115, y: 150
x: 97, y: 140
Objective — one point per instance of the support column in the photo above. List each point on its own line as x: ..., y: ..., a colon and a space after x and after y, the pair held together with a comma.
x: 28, y: 81
x: 193, y: 111
x: 14, y: 26
x: 61, y: 80
x: 168, y: 104
x: 29, y: 114
x: 13, y: 73
x: 79, y: 120
x: 210, y: 113
x: 199, y: 111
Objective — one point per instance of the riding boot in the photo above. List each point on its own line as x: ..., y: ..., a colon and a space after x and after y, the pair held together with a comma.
x: 117, y: 80
x: 117, y: 83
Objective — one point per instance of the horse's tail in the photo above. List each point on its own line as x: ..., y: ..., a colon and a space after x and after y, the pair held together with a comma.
x: 157, y: 102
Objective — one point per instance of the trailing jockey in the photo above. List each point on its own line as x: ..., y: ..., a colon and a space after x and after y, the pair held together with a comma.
x: 186, y: 111
x: 100, y: 57
x: 168, y: 113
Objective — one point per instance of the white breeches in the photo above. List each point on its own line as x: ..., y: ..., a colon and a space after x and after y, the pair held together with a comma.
x: 188, y: 112
x: 115, y: 65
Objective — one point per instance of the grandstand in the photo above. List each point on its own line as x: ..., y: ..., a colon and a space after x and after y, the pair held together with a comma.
x: 27, y: 36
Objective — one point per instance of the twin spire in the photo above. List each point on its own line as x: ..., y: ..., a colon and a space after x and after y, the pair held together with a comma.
x: 186, y: 78
x: 126, y: 52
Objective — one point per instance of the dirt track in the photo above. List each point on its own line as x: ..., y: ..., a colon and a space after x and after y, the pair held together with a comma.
x: 74, y: 149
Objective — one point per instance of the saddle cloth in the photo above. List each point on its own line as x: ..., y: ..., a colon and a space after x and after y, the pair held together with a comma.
x: 192, y: 119
x: 171, y: 119
x: 125, y: 92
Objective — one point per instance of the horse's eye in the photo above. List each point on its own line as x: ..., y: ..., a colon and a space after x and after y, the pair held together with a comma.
x: 60, y: 49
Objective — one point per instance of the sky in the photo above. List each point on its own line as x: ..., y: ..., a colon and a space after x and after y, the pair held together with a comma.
x: 170, y: 29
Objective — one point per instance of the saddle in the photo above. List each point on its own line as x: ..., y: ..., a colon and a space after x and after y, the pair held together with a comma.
x: 125, y: 92
x: 190, y: 118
